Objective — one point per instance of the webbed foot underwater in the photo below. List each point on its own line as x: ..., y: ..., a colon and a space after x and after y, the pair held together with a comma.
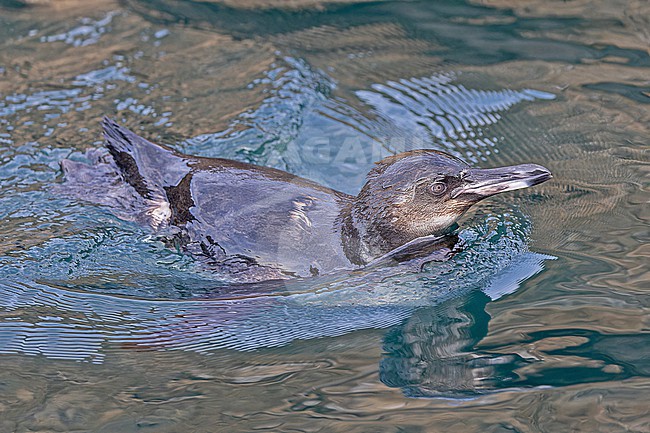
x: 253, y: 223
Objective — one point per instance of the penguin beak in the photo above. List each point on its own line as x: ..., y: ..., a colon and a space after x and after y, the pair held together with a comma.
x: 480, y: 183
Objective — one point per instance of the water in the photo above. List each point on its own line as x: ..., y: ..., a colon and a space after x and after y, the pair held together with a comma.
x: 539, y: 323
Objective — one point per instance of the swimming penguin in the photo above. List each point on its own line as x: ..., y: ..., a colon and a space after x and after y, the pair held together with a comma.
x: 253, y: 223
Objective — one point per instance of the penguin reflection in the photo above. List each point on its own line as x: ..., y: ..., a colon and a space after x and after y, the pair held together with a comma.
x: 433, y: 353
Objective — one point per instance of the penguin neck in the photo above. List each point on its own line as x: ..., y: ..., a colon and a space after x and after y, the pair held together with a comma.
x: 365, y: 231
x: 368, y: 230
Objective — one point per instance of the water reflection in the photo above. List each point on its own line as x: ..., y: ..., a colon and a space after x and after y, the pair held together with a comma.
x: 464, y: 33
x: 439, y: 352
x: 434, y: 352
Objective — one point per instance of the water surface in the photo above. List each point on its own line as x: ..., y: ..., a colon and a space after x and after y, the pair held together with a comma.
x: 538, y: 323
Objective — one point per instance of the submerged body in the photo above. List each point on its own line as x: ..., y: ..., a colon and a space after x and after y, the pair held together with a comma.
x: 252, y: 223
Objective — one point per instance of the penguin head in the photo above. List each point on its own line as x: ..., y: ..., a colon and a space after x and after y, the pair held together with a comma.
x: 424, y: 192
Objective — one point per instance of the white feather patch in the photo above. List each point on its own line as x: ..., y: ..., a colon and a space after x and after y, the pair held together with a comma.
x: 299, y: 212
x: 159, y: 212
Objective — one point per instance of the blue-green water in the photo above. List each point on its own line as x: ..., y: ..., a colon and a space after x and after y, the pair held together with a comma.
x: 538, y: 323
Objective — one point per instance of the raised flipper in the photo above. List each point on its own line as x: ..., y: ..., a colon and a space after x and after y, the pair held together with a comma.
x: 130, y: 179
x: 147, y: 167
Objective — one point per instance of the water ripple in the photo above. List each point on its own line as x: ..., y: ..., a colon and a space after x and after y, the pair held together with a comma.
x: 434, y: 110
x: 74, y: 323
x: 87, y: 33
x: 302, y: 127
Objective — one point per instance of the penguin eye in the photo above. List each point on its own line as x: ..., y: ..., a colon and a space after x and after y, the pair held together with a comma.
x: 438, y: 188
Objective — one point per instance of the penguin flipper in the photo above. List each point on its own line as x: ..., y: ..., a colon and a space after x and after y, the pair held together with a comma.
x: 148, y: 167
